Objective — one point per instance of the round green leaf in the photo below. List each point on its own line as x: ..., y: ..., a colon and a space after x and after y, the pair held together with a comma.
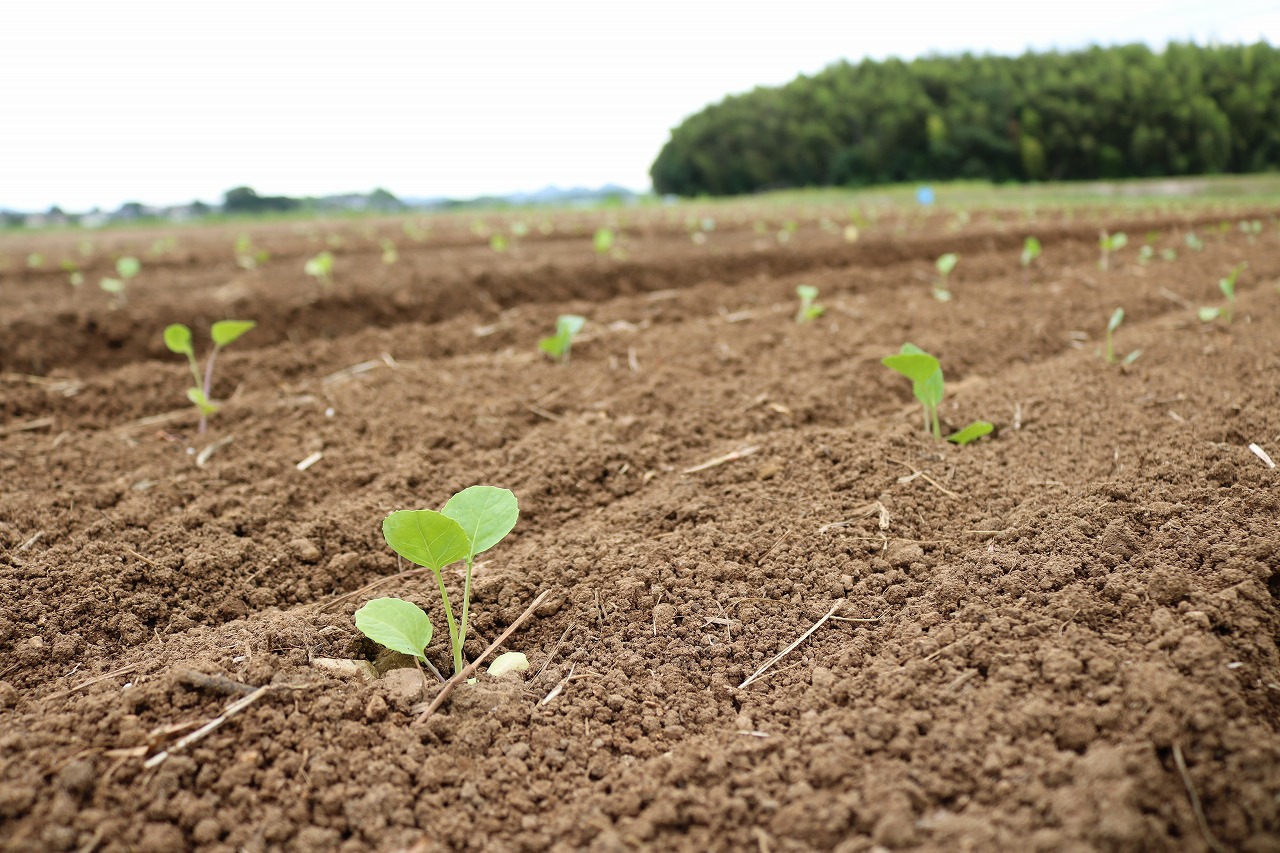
x: 486, y: 514
x: 177, y: 338
x: 203, y: 403
x: 226, y: 331
x: 426, y: 537
x: 400, y: 625
x: 127, y: 268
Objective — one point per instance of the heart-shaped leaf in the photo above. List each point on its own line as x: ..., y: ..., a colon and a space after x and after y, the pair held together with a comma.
x: 485, y: 513
x: 400, y: 625
x: 426, y: 537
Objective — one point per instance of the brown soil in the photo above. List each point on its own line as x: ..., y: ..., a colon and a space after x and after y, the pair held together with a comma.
x: 1044, y: 641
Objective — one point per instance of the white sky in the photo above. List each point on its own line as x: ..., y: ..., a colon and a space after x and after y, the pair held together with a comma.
x: 105, y: 101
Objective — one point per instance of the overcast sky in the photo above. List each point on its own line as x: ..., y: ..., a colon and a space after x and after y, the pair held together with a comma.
x: 108, y: 101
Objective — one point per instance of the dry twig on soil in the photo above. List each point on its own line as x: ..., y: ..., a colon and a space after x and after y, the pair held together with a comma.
x: 232, y: 709
x: 1209, y: 838
x: 470, y: 669
x: 720, y: 460
x: 789, y: 649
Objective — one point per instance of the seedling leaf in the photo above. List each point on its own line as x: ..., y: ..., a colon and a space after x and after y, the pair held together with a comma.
x: 508, y: 662
x: 224, y: 332
x: 1208, y: 315
x: 426, y: 537
x: 177, y: 338
x: 400, y: 625
x: 916, y: 366
x: 1116, y: 319
x: 485, y: 514
x: 972, y: 432
x: 946, y: 263
x: 127, y: 268
x: 202, y: 401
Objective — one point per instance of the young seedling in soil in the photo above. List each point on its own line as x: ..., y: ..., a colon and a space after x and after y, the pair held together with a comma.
x: 321, y: 269
x: 389, y: 253
x: 471, y: 522
x: 946, y: 263
x: 603, y: 241
x: 1109, y: 352
x: 1030, y: 252
x: 809, y: 307
x: 498, y: 243
x: 929, y: 388
x: 1228, y: 287
x: 1251, y: 228
x: 558, y: 345
x: 126, y: 269
x: 1193, y: 241
x: 247, y: 256
x: 1108, y: 243
x: 1145, y: 254
x: 177, y: 338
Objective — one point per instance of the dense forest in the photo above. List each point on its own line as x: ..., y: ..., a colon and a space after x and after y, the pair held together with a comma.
x: 1098, y: 113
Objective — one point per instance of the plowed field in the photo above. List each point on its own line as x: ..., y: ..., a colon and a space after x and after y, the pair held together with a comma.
x: 1061, y: 637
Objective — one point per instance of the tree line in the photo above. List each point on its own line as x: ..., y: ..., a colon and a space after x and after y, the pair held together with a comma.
x: 1110, y: 112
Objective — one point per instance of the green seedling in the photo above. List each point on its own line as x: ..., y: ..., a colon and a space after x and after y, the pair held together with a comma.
x: 972, y: 433
x: 414, y: 231
x: 926, y: 381
x: 1251, y: 228
x: 1169, y: 254
x: 1109, y: 352
x: 1228, y: 287
x: 321, y: 269
x: 470, y: 522
x: 1193, y: 241
x: 945, y: 264
x: 1145, y: 254
x: 603, y: 241
x: 929, y: 388
x: 1109, y: 243
x: 177, y: 338
x: 1030, y: 252
x: 35, y: 260
x: 499, y: 243
x: 247, y: 255
x: 126, y: 268
x: 809, y: 307
x: 558, y: 345
x: 389, y: 252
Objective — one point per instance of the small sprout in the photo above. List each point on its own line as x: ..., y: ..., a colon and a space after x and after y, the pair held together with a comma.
x: 400, y: 625
x: 320, y: 268
x: 809, y: 307
x: 114, y: 286
x: 498, y: 243
x: 926, y: 381
x: 1109, y: 353
x: 1169, y: 254
x: 603, y: 241
x: 558, y: 345
x: 945, y: 264
x: 76, y: 278
x: 389, y: 253
x: 471, y: 522
x: 68, y: 266
x: 177, y: 338
x: 35, y: 260
x: 519, y: 228
x: 1228, y: 287
x: 508, y: 662
x: 1109, y: 243
x: 128, y: 267
x: 1145, y: 254
x: 972, y: 432
x: 248, y: 256
x: 1030, y: 252
x: 1194, y: 243
x: 1251, y: 228
x: 414, y: 231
